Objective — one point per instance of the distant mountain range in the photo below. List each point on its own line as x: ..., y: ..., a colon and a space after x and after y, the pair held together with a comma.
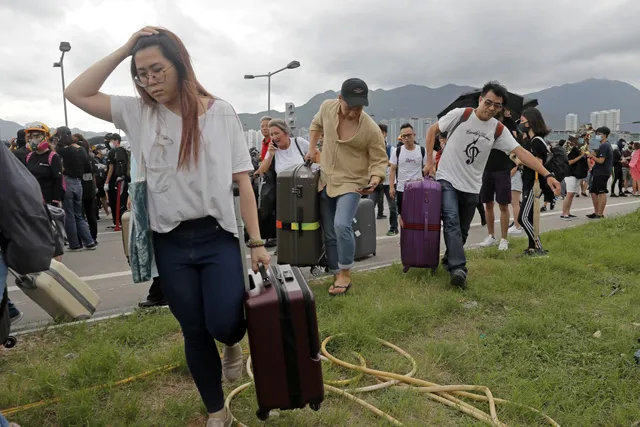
x: 8, y: 130
x: 420, y: 101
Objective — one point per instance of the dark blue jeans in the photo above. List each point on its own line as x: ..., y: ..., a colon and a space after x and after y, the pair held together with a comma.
x: 376, y: 196
x: 75, y: 226
x: 202, y: 280
x: 458, y: 209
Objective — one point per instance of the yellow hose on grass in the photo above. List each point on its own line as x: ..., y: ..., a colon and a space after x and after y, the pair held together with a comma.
x: 438, y: 393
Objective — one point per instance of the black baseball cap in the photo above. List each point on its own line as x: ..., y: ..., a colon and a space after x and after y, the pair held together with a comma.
x: 63, y: 131
x: 355, y: 93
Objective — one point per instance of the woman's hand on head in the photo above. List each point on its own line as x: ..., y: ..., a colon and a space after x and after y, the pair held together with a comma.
x: 145, y: 32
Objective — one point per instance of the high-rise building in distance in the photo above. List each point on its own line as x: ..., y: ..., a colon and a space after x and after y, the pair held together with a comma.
x: 608, y: 118
x: 571, y: 122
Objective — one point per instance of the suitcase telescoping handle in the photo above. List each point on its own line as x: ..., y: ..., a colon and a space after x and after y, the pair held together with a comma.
x: 259, y: 283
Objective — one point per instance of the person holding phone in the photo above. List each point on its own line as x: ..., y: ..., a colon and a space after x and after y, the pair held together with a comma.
x: 353, y: 163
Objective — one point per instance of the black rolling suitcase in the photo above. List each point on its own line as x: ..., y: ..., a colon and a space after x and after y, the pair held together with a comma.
x: 298, y: 217
x: 364, y: 228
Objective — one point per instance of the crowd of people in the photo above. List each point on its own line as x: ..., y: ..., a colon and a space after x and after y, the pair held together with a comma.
x: 191, y: 146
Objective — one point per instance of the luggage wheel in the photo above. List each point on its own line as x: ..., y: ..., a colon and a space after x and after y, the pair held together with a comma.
x: 262, y: 415
x: 374, y: 254
x: 405, y: 269
x: 10, y: 342
x: 315, y: 406
x: 434, y: 271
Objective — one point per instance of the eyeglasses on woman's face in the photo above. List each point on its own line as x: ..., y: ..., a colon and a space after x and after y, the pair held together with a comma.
x: 143, y: 78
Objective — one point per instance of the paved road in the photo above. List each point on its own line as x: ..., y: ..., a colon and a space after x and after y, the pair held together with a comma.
x: 106, y: 269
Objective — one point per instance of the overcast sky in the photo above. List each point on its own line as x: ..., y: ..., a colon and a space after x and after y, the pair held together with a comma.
x: 528, y: 45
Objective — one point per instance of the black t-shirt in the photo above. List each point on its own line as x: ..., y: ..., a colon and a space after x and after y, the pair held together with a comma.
x: 538, y: 147
x: 604, y: 152
x: 120, y: 160
x: 49, y: 176
x: 499, y: 161
x: 579, y: 169
x: 75, y: 161
x: 21, y: 153
x: 617, y: 158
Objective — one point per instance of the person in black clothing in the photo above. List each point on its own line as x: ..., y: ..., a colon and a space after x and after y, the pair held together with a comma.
x: 21, y: 150
x: 578, y: 169
x: 89, y: 201
x: 600, y: 172
x: 533, y: 126
x: 118, y: 172
x: 617, y: 170
x: 44, y: 164
x: 101, y: 178
x: 76, y: 165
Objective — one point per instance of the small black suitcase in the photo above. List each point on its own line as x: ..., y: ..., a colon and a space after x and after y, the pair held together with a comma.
x: 364, y: 228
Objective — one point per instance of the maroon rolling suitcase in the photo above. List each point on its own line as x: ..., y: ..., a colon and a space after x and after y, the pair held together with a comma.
x: 283, y: 337
x: 421, y: 215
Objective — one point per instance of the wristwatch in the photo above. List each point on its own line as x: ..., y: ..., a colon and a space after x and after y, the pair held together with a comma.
x: 550, y: 175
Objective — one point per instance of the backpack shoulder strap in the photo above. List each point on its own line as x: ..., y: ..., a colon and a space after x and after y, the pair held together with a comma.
x: 499, y: 130
x: 423, y: 152
x: 298, y: 146
x: 51, y: 154
x: 29, y: 156
x: 398, y: 149
x: 464, y: 118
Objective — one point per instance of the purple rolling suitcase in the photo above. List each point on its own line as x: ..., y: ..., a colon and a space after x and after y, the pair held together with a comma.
x: 421, y: 214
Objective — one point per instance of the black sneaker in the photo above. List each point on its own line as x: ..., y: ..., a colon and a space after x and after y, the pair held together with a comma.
x: 271, y: 243
x: 573, y: 216
x: 16, y: 318
x: 543, y: 209
x: 92, y: 247
x: 592, y: 216
x: 459, y: 278
x: 149, y: 304
x: 622, y: 195
x: 382, y: 217
x: 565, y: 217
x: 614, y: 195
x: 552, y: 205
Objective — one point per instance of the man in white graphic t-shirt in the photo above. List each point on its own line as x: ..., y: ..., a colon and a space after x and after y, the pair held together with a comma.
x: 472, y: 136
x: 407, y: 162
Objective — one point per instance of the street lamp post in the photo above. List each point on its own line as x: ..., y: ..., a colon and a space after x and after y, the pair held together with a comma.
x: 64, y: 48
x: 290, y: 66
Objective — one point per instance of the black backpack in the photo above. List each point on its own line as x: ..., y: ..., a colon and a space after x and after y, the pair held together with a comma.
x: 557, y: 161
x: 121, y: 167
x: 26, y: 233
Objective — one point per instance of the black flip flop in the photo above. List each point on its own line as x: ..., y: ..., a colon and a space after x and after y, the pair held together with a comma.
x: 346, y: 289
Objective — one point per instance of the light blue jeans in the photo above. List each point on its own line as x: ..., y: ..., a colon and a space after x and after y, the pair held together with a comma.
x: 337, y: 214
x: 75, y: 226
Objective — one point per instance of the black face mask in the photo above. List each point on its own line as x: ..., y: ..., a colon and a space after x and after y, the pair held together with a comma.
x: 523, y: 128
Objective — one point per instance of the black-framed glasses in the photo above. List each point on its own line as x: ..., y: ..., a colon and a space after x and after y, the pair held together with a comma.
x: 406, y: 135
x: 143, y: 79
x: 490, y: 104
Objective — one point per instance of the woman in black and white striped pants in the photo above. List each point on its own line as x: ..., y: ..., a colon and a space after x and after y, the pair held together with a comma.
x: 533, y: 126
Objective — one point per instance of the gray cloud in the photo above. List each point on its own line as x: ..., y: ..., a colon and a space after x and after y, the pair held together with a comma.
x: 527, y: 46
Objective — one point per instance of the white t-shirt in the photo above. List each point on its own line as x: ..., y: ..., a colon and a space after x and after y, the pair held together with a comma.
x: 467, y: 151
x: 206, y: 188
x: 409, y: 166
x: 290, y: 158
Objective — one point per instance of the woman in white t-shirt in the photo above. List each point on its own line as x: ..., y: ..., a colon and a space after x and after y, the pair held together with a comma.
x: 193, y: 148
x: 288, y: 152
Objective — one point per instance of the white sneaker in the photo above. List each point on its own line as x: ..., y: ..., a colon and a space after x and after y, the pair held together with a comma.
x: 232, y: 362
x: 489, y: 241
x: 217, y: 421
x: 504, y: 245
x: 515, y: 231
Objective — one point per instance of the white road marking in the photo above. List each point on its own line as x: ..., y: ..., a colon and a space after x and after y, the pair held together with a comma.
x: 379, y: 238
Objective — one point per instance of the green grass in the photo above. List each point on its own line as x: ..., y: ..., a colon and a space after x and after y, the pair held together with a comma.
x: 529, y: 339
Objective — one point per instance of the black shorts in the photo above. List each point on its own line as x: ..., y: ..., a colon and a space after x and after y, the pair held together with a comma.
x: 399, y: 195
x: 496, y: 186
x: 599, y: 184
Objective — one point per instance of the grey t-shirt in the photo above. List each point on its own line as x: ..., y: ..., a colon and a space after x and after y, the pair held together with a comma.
x: 467, y: 151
